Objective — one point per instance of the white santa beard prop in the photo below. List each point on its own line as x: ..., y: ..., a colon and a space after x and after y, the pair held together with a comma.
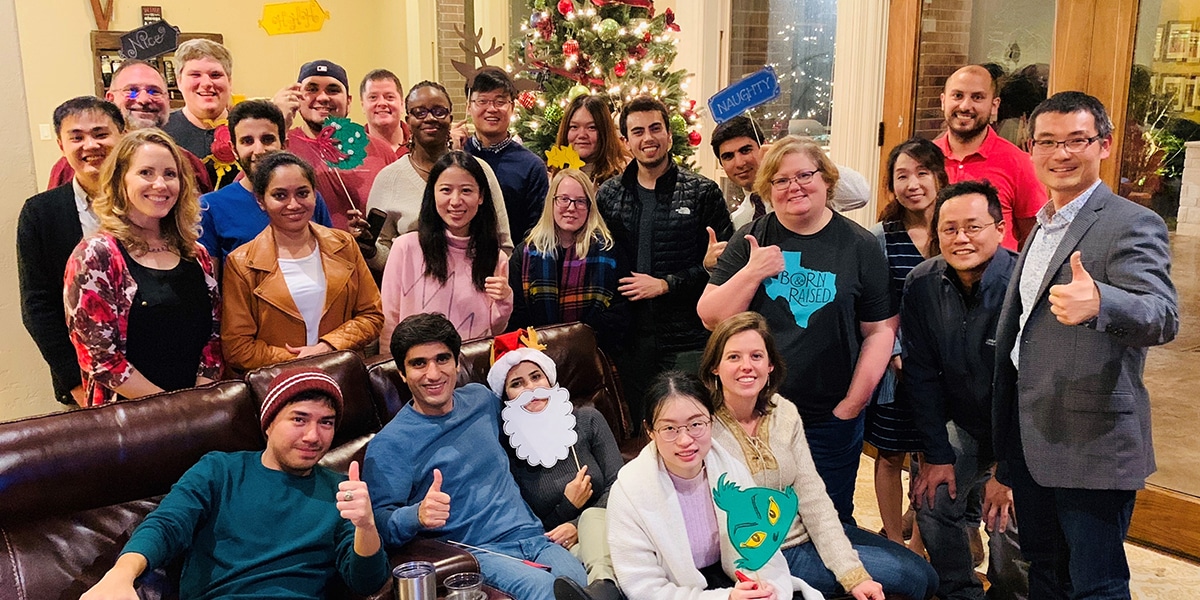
x: 545, y: 437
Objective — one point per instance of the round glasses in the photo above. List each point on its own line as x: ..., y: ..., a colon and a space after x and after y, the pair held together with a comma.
x: 950, y: 233
x: 783, y: 183
x: 695, y: 429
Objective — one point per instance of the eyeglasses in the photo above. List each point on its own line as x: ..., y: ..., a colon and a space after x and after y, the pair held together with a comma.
x: 499, y: 104
x: 133, y: 91
x: 783, y: 183
x: 950, y: 233
x: 694, y: 430
x: 1072, y: 145
x: 438, y: 112
x: 566, y: 201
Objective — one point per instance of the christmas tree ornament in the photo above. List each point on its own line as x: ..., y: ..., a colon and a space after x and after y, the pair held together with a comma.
x: 577, y: 91
x: 571, y: 47
x: 619, y: 69
x: 527, y: 100
x: 554, y: 114
x: 609, y: 29
x: 565, y: 7
x: 669, y: 20
x: 678, y: 123
x: 694, y: 138
x: 638, y: 52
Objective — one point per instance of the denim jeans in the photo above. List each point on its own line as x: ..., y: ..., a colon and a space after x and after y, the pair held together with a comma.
x: 944, y: 529
x: 1074, y: 539
x: 836, y: 447
x: 898, y: 569
x: 522, y: 581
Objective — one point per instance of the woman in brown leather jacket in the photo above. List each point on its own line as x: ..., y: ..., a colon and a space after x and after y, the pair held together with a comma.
x: 299, y: 288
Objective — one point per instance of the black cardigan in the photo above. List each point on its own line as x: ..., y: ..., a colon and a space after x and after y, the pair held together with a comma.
x: 47, y: 232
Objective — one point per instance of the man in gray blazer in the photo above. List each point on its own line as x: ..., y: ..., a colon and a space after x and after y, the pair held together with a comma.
x: 1071, y: 417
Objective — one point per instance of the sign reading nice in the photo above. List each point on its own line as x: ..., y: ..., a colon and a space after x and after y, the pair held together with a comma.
x: 755, y: 89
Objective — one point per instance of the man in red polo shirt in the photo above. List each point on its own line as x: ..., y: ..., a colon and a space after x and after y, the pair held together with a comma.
x: 975, y: 151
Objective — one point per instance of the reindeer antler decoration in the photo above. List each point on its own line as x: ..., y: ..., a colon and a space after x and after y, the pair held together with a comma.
x: 471, y: 46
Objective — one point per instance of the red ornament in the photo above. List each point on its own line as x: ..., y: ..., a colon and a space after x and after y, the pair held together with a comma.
x: 565, y: 6
x: 637, y: 52
x: 646, y: 37
x: 694, y: 136
x: 571, y: 47
x: 546, y: 28
x: 527, y: 100
x: 620, y: 68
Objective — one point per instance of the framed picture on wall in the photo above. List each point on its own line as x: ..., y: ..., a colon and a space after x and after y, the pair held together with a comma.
x: 1195, y: 100
x: 1194, y: 45
x: 1158, y: 43
x: 1188, y: 90
x: 1179, y: 34
x: 1173, y: 89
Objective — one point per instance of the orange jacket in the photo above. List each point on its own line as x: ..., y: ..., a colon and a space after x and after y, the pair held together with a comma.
x: 259, y: 317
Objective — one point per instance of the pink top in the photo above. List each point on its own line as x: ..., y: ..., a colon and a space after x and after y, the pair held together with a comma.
x: 700, y: 518
x: 407, y: 291
x: 1007, y: 168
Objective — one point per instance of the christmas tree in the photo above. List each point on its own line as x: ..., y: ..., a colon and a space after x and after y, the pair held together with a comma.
x: 616, y: 47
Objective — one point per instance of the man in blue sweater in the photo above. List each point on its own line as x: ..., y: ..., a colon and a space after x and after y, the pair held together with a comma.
x: 270, y: 524
x: 521, y: 173
x: 437, y: 470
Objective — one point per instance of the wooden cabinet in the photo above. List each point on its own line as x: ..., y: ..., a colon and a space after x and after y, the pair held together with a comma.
x: 106, y: 46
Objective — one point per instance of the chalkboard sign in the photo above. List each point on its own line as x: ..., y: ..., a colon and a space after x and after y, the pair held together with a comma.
x: 756, y: 89
x: 147, y: 42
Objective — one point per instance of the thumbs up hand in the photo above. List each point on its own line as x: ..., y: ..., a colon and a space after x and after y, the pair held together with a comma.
x: 715, y: 250
x: 353, y: 501
x: 1075, y: 302
x: 434, y: 510
x: 765, y: 261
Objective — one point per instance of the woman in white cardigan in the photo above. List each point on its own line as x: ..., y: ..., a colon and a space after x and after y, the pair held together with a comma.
x: 668, y: 539
x: 763, y: 431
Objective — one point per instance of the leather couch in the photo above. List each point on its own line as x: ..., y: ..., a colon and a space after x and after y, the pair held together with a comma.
x: 74, y: 485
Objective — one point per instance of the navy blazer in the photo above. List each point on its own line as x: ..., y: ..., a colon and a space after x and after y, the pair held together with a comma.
x: 47, y: 232
x: 1076, y: 405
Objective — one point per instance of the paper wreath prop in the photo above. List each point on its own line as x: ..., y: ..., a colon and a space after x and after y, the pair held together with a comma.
x: 351, y: 140
x: 757, y: 519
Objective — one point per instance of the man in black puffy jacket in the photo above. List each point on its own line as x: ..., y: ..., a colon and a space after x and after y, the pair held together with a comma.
x: 659, y: 214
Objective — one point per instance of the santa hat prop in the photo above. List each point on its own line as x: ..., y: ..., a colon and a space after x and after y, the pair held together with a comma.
x: 513, y: 348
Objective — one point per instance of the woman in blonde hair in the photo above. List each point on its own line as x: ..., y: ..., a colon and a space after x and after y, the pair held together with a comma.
x: 141, y: 295
x: 587, y: 126
x: 567, y: 269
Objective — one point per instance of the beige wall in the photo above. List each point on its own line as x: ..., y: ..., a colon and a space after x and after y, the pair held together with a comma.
x: 360, y: 35
x: 24, y: 378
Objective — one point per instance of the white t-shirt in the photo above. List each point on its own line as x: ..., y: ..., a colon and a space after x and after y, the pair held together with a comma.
x: 305, y: 278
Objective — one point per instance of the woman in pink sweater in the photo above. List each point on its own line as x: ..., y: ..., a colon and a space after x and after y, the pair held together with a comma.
x: 452, y: 263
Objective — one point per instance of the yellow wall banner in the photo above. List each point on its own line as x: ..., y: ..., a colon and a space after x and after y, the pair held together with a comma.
x: 293, y: 17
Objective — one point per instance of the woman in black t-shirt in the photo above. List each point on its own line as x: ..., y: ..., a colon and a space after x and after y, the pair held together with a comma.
x: 821, y: 281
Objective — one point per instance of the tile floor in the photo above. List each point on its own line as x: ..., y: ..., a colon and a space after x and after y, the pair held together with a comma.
x: 1155, y: 576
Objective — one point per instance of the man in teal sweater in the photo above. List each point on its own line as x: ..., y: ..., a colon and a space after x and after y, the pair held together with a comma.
x: 269, y: 524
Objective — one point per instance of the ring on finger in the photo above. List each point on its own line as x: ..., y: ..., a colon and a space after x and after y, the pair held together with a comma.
x: 348, y: 496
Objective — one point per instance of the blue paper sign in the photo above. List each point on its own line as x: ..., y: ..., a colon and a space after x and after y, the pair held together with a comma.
x: 755, y: 89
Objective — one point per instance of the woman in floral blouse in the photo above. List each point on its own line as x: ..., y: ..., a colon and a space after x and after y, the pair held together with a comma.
x: 141, y: 297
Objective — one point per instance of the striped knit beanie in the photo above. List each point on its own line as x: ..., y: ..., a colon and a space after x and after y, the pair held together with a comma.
x: 286, y: 386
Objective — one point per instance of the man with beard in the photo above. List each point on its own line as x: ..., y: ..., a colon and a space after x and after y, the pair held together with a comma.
x: 264, y: 524
x: 139, y: 91
x: 324, y: 92
x: 383, y: 105
x: 658, y: 214
x: 564, y: 458
x: 232, y: 216
x: 51, y: 225
x: 975, y: 151
x: 432, y: 469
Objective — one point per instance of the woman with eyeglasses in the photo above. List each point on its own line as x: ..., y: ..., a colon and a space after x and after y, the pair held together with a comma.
x: 667, y: 537
x: 916, y: 171
x: 452, y: 263
x: 399, y: 188
x: 821, y: 282
x: 587, y: 126
x: 742, y: 369
x: 567, y: 269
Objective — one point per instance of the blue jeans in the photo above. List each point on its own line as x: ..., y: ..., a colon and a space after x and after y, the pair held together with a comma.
x: 1074, y: 539
x: 522, y: 581
x: 836, y: 446
x: 944, y: 530
x: 898, y: 569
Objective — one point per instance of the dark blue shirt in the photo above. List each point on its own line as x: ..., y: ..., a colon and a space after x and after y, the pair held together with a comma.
x: 949, y: 347
x: 522, y: 176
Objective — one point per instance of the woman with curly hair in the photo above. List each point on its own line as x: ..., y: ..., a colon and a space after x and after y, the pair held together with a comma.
x: 141, y: 295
